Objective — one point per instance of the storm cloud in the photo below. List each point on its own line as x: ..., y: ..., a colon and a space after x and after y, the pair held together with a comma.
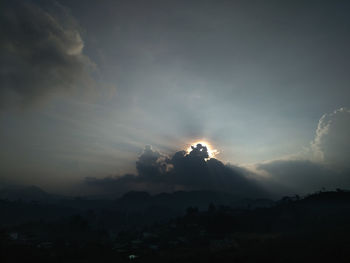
x: 41, y: 52
x: 183, y: 171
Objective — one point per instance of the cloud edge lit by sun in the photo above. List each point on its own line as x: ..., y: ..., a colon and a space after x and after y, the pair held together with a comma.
x: 211, y: 151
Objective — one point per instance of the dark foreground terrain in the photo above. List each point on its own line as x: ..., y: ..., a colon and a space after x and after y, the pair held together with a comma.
x: 315, y: 228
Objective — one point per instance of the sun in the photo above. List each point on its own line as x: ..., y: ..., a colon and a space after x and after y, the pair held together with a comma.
x: 211, y: 151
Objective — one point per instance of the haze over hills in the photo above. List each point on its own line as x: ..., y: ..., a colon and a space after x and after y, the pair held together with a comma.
x: 166, y: 204
x: 27, y: 194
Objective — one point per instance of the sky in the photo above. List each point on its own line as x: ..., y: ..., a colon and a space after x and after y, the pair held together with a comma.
x: 88, y: 86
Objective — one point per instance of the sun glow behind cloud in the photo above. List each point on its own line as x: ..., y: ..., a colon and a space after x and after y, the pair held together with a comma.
x: 211, y: 151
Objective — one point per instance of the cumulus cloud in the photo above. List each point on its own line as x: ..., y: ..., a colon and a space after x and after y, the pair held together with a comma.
x: 325, y: 166
x: 194, y: 171
x: 332, y: 140
x: 40, y: 52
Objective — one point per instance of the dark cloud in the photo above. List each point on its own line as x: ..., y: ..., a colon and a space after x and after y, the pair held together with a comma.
x: 40, y: 52
x: 326, y: 164
x: 151, y: 165
x: 194, y: 171
x: 288, y: 177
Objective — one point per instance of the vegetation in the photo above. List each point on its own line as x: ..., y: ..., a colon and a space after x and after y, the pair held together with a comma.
x: 310, y: 229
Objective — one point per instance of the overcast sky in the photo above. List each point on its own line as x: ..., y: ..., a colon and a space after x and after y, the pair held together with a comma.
x: 85, y: 85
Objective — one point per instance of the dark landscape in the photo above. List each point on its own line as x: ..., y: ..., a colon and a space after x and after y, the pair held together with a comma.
x: 174, y: 131
x: 313, y: 228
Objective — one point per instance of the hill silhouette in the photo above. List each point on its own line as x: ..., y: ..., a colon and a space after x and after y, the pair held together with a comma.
x: 30, y: 193
x: 197, y: 226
